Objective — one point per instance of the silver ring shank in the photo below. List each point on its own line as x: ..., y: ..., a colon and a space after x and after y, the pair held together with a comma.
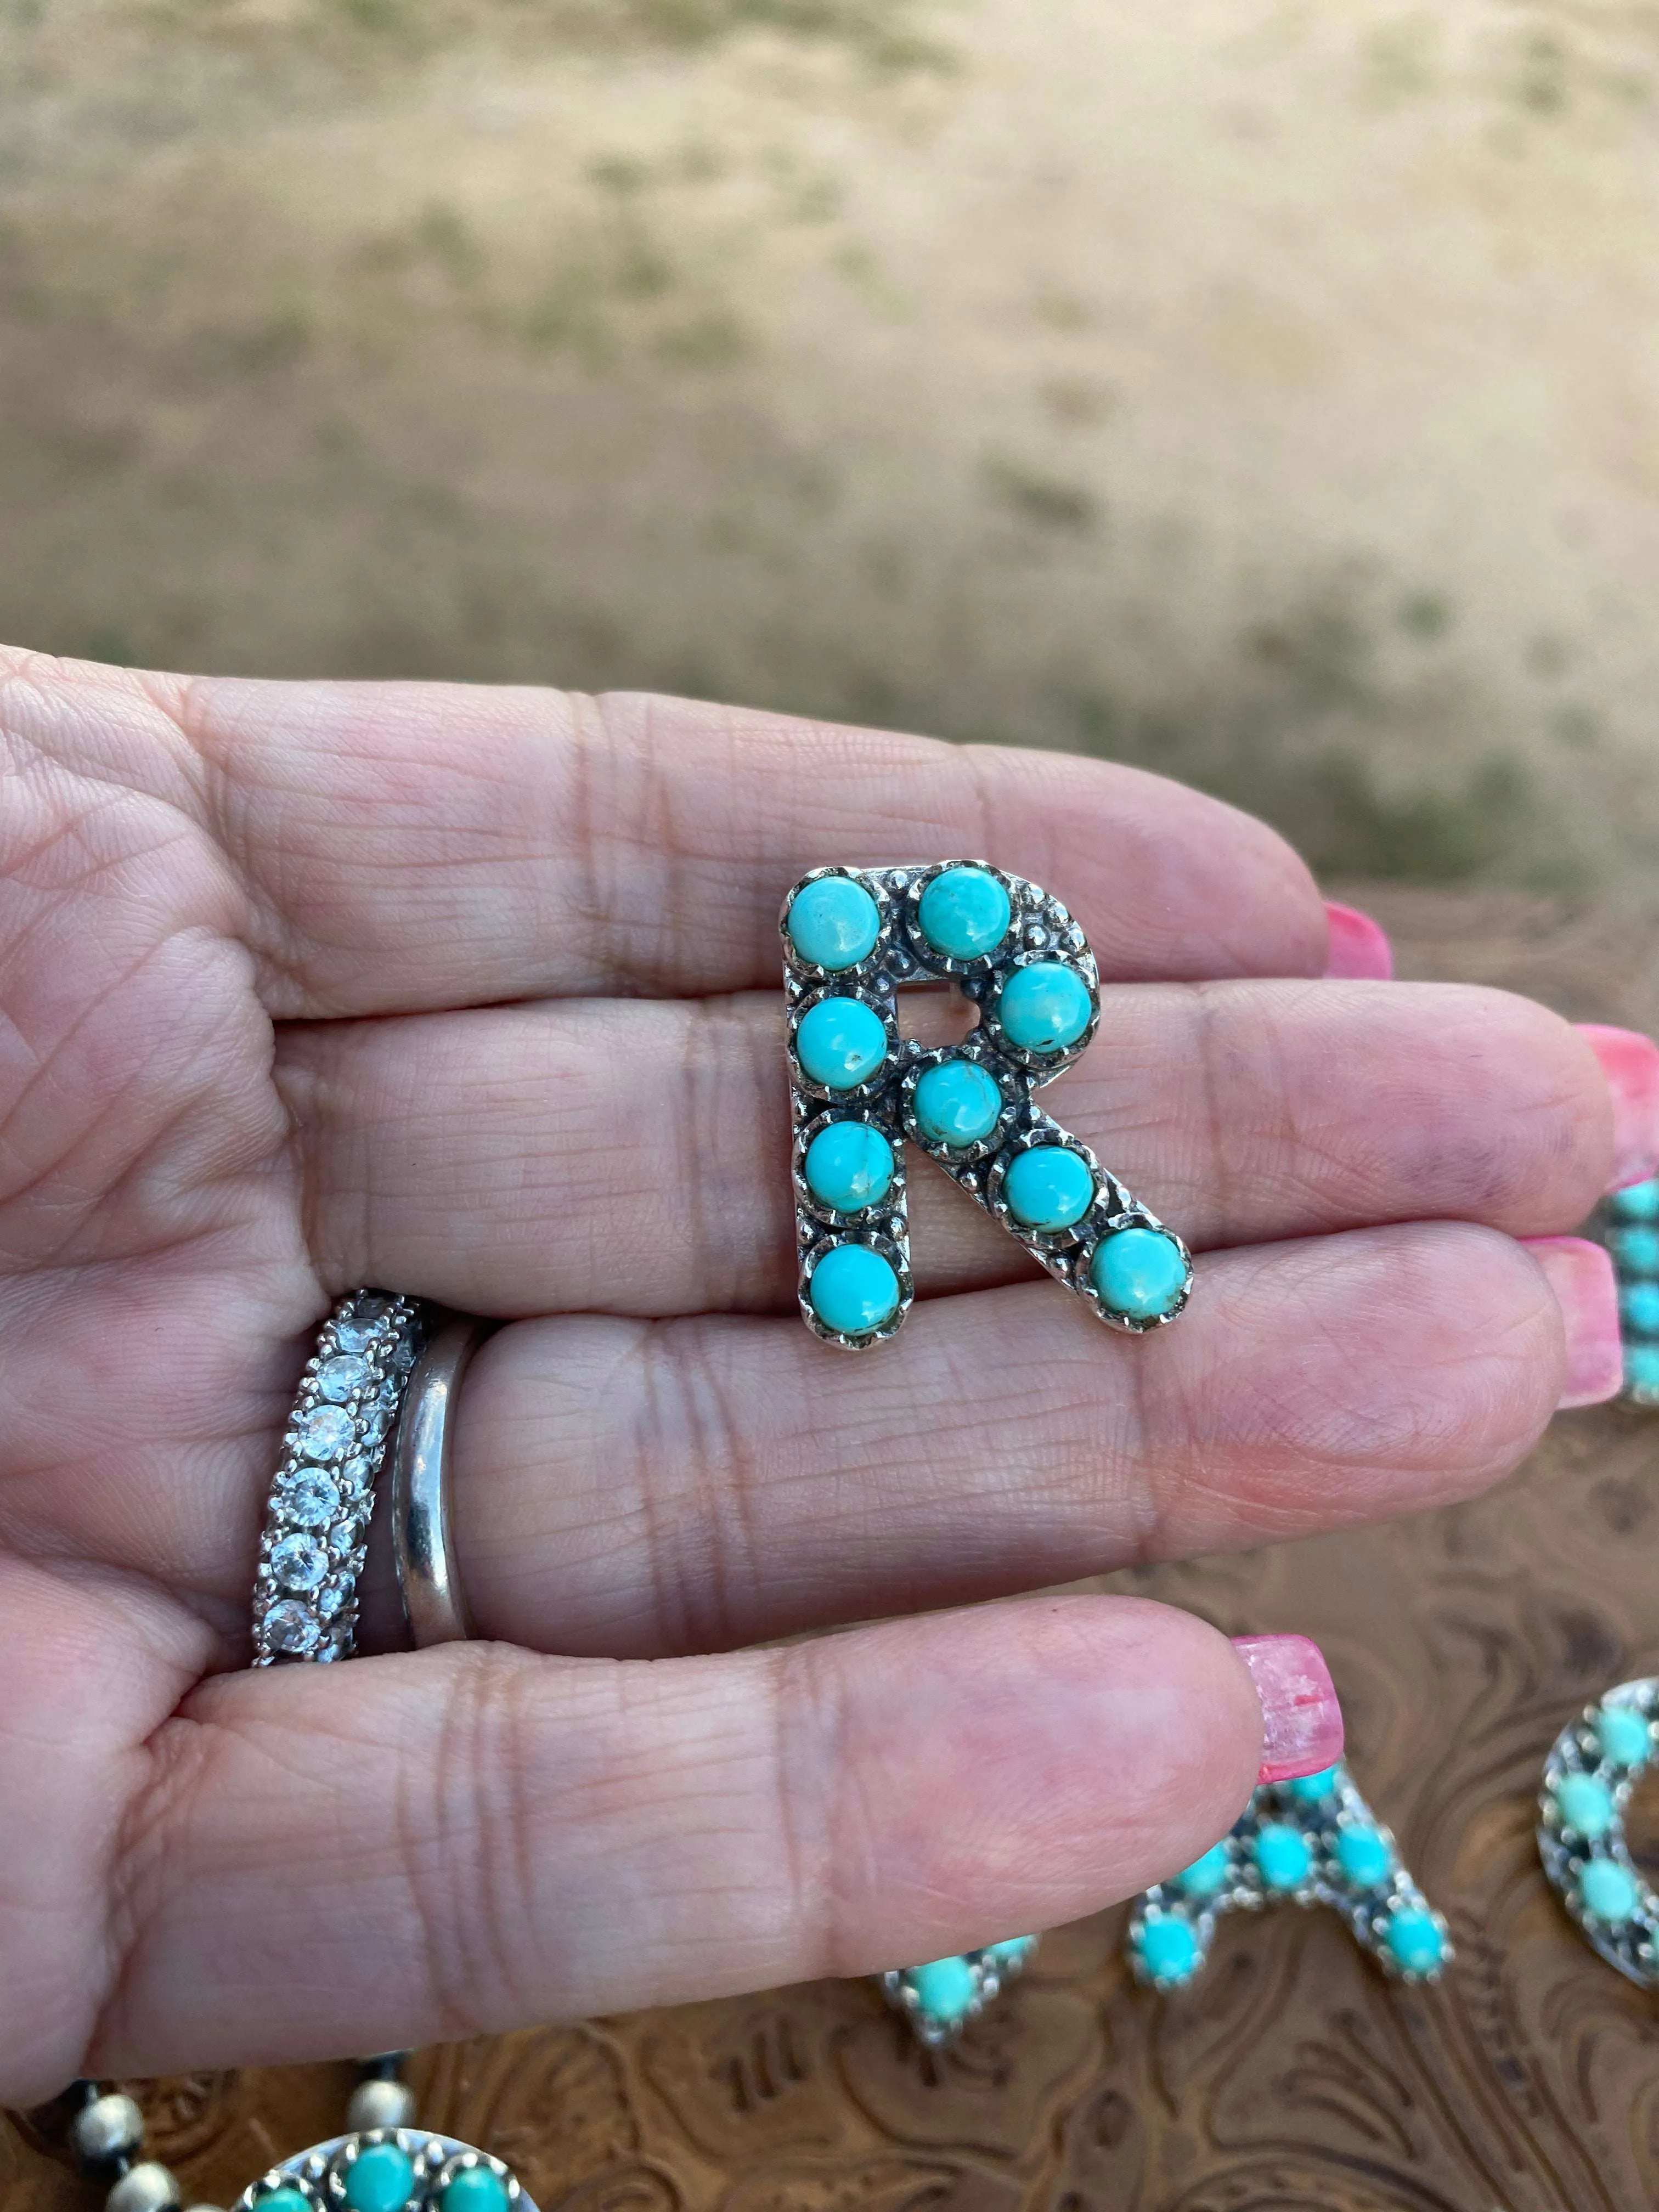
x: 422, y: 1529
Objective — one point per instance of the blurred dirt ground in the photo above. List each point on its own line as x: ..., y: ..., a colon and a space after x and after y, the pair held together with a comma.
x: 1261, y: 389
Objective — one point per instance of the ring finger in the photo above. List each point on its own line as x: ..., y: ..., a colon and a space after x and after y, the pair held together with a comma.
x: 634, y: 1489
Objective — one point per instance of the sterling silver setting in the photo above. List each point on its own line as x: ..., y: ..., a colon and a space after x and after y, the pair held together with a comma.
x: 940, y: 2000
x: 407, y: 2167
x: 1040, y: 930
x: 316, y: 1532
x: 320, y: 2174
x: 1588, y: 1778
x: 1297, y: 1829
x: 1627, y: 1223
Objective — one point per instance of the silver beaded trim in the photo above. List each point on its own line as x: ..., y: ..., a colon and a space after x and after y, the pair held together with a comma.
x: 106, y: 2134
x: 1630, y: 1941
x: 1041, y: 929
x: 316, y: 1531
x: 319, y: 2175
x: 1319, y: 1820
x: 990, y: 1972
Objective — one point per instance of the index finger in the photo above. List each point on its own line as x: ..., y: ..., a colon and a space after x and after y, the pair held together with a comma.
x: 413, y: 845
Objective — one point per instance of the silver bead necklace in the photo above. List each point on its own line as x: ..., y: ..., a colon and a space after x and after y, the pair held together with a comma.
x: 383, y: 2163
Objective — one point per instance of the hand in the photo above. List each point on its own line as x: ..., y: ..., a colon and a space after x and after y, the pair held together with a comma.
x: 476, y: 995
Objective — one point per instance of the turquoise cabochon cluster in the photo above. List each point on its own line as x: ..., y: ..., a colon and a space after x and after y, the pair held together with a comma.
x: 1631, y: 1220
x: 389, y: 2170
x: 852, y: 938
x: 1588, y: 1776
x: 1312, y: 1841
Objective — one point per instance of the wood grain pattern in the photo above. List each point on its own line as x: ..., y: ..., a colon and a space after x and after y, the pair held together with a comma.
x: 1292, y: 2075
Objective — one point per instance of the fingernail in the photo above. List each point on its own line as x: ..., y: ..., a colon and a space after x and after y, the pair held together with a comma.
x: 1301, y: 1718
x: 1581, y: 1275
x: 1631, y: 1063
x: 1357, y: 945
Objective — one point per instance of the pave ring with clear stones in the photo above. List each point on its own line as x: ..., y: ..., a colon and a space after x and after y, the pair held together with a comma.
x: 316, y: 1532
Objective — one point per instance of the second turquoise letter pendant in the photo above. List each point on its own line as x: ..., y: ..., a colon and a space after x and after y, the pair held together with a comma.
x: 852, y: 938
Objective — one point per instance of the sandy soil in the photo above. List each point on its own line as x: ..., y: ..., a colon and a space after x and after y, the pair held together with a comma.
x: 1268, y: 390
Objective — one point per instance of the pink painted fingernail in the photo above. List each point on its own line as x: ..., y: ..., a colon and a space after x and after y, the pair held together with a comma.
x: 1631, y: 1063
x: 1301, y: 1719
x: 1357, y: 945
x: 1581, y: 1275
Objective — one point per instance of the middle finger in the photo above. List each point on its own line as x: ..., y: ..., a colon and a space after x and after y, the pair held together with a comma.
x: 631, y: 1155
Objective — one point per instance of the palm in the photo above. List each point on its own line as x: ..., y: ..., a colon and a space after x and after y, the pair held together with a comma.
x: 472, y: 995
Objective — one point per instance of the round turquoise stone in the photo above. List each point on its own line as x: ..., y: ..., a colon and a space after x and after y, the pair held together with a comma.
x: 1044, y: 1007
x: 841, y: 1043
x: 1282, y: 1856
x: 1608, y: 1891
x: 379, y: 2179
x: 854, y: 1290
x: 1012, y: 1950
x: 1638, y: 1250
x: 834, y: 923
x: 964, y: 914
x: 956, y: 1103
x: 475, y: 2189
x: 848, y: 1166
x: 1623, y: 1735
x: 1363, y: 1856
x: 1050, y: 1186
x: 1313, y: 1788
x: 1414, y: 1940
x: 283, y: 2200
x: 1638, y: 1201
x: 1205, y: 1876
x: 1168, y: 1948
x: 1586, y: 1805
x: 1642, y: 1366
x: 1639, y: 1304
x: 1138, y: 1273
x: 946, y: 1988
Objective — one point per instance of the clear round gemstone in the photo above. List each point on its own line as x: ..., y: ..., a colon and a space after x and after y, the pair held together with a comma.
x: 362, y: 1329
x: 323, y: 1433
x: 344, y: 1541
x: 330, y: 1599
x: 291, y: 1629
x: 337, y: 1378
x: 299, y: 1563
x: 309, y: 1499
x: 357, y: 1473
x: 403, y: 1356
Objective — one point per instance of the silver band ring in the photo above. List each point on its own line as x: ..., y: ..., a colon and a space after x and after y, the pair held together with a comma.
x: 422, y: 1527
x: 316, y: 1532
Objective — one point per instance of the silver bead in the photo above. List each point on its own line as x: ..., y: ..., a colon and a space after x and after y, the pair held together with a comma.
x: 146, y: 2187
x: 106, y: 2128
x: 380, y: 2105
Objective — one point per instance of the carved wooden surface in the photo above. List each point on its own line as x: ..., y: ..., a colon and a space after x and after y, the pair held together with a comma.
x: 1292, y: 2075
